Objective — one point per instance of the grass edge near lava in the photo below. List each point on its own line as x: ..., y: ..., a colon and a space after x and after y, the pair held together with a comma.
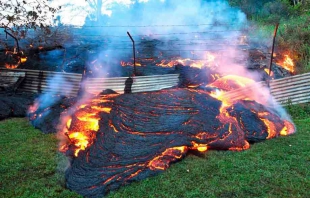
x: 273, y: 168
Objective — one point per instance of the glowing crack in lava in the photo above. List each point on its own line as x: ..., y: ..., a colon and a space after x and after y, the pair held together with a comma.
x: 117, y: 139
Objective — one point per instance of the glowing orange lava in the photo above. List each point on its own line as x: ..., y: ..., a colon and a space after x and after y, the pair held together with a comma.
x: 160, y: 163
x: 199, y: 147
x: 230, y: 89
x: 80, y: 140
x: 81, y: 132
x: 288, y: 128
x: 230, y: 82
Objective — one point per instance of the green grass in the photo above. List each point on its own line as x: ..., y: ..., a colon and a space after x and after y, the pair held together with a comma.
x: 29, y: 162
x: 274, y: 168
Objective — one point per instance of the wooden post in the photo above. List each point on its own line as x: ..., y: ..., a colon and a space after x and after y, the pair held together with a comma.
x: 134, y: 53
x: 272, y: 51
x: 16, y: 40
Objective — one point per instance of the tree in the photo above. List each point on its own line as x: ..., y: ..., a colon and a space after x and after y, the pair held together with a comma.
x: 17, y: 17
x: 96, y: 5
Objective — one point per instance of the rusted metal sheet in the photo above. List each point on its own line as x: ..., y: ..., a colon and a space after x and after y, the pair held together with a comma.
x: 290, y: 90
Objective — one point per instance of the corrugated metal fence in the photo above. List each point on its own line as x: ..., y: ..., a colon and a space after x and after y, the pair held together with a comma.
x: 294, y: 89
x: 70, y: 83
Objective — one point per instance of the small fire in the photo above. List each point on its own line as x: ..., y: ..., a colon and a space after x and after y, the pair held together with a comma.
x: 231, y: 82
x: 123, y: 63
x: 11, y: 66
x: 23, y: 59
x: 14, y: 59
x: 267, y: 71
x: 208, y: 61
x: 288, y: 63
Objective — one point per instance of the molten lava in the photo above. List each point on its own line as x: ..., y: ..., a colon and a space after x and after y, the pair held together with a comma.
x: 120, y: 138
x: 82, y: 126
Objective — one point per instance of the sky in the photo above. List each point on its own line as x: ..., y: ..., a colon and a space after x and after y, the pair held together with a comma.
x: 72, y: 12
x: 76, y: 13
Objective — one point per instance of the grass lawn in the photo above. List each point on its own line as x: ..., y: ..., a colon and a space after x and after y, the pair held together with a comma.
x: 274, y: 168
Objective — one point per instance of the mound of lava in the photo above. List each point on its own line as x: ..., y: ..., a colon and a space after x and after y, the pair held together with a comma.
x: 117, y: 139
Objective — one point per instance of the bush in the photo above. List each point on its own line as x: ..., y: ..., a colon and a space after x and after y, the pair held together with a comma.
x: 294, y: 30
x: 299, y: 111
x: 293, y: 36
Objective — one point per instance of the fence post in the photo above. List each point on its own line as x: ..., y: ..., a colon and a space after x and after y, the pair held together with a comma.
x: 272, y: 51
x: 134, y: 53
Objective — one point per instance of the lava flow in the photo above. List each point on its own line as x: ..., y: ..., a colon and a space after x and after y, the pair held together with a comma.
x: 116, y: 139
x: 81, y: 127
x: 209, y: 61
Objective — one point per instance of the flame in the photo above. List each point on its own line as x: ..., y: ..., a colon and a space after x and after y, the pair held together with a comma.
x: 230, y: 82
x: 23, y: 59
x: 18, y: 58
x: 185, y: 62
x: 69, y: 123
x: 209, y: 60
x: 92, y: 120
x: 288, y: 63
x: 123, y: 63
x: 11, y: 66
x: 267, y: 71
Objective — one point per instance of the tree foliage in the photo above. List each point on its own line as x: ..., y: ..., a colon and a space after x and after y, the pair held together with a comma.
x: 21, y: 15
